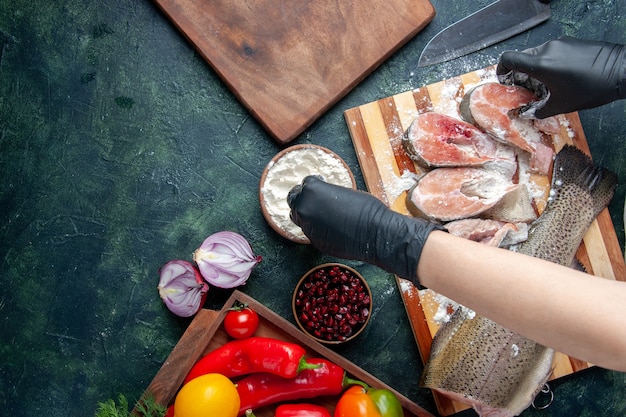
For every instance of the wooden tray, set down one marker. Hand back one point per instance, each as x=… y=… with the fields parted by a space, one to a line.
x=206 y=333
x=288 y=62
x=376 y=129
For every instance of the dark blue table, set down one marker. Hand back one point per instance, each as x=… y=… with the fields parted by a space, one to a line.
x=120 y=149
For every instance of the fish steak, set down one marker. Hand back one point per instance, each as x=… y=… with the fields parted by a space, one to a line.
x=453 y=193
x=494 y=108
x=438 y=140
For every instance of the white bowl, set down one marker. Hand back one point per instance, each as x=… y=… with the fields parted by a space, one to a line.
x=286 y=170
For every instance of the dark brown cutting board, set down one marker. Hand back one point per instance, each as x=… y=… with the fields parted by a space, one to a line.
x=289 y=61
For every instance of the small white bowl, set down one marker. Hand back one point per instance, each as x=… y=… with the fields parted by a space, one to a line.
x=287 y=169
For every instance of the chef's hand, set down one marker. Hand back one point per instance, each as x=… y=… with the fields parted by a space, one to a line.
x=578 y=74
x=353 y=224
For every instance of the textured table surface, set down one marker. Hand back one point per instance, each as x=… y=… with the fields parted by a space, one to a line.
x=120 y=149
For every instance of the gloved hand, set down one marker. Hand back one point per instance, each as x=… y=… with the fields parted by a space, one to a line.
x=578 y=74
x=356 y=225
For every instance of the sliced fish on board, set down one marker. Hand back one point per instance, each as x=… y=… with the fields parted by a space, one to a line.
x=490 y=232
x=493 y=107
x=454 y=193
x=478 y=362
x=438 y=140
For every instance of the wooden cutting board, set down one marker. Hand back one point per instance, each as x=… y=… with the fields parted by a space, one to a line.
x=376 y=129
x=290 y=61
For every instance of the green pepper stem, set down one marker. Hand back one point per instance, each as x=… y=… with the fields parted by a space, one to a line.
x=249 y=413
x=303 y=364
x=349 y=382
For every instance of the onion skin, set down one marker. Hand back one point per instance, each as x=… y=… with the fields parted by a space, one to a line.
x=182 y=288
x=225 y=259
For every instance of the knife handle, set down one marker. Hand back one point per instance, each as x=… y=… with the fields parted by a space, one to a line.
x=545 y=1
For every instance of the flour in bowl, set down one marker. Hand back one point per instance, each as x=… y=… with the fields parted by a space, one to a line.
x=288 y=171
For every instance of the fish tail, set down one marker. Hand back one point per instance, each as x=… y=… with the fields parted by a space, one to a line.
x=572 y=166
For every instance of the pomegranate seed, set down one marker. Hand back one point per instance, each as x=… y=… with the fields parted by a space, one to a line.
x=332 y=303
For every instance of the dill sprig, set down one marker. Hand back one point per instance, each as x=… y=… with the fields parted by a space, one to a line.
x=146 y=407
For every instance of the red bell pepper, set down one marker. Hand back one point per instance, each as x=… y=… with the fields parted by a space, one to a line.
x=259 y=390
x=301 y=410
x=252 y=355
x=297 y=410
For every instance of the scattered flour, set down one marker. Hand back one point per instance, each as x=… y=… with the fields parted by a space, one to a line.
x=445 y=307
x=398 y=185
x=288 y=171
x=449 y=99
x=514 y=350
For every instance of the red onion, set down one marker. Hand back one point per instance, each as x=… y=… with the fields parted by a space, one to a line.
x=225 y=259
x=182 y=288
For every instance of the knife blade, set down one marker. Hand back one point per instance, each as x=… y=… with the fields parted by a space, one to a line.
x=492 y=24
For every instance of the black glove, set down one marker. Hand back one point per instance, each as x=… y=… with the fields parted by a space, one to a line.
x=578 y=74
x=353 y=224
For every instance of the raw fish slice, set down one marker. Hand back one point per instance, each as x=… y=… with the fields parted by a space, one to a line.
x=550 y=125
x=447 y=194
x=538 y=88
x=437 y=140
x=489 y=106
x=489 y=232
x=494 y=108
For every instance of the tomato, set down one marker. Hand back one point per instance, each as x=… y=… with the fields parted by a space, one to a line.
x=241 y=322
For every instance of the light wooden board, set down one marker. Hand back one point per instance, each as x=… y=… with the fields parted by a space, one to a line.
x=288 y=62
x=206 y=333
x=376 y=129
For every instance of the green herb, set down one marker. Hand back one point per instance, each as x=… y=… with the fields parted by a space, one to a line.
x=147 y=407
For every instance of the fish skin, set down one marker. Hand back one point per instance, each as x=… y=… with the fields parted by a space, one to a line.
x=579 y=191
x=473 y=358
x=514 y=207
x=495 y=370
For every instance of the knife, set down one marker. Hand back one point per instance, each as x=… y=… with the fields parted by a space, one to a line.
x=489 y=25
